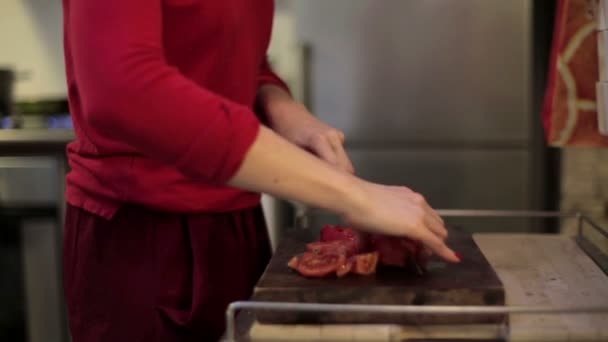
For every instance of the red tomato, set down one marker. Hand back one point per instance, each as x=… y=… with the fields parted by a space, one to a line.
x=364 y=264
x=358 y=242
x=319 y=265
x=392 y=251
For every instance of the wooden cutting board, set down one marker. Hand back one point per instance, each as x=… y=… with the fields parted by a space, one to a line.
x=472 y=282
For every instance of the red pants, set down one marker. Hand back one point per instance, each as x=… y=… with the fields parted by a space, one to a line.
x=150 y=276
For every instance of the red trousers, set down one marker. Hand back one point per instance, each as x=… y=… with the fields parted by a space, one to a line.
x=150 y=276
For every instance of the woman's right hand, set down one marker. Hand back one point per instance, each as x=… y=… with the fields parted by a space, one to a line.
x=399 y=211
x=277 y=167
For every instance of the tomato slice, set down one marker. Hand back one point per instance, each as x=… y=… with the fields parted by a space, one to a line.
x=358 y=241
x=345 y=268
x=365 y=264
x=333 y=247
x=319 y=265
x=293 y=262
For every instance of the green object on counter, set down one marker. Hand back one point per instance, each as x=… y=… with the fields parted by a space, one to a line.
x=42 y=107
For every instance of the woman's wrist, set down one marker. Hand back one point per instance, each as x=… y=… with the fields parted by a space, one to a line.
x=351 y=196
x=275 y=103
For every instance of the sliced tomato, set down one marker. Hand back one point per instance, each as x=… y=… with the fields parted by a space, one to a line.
x=358 y=241
x=345 y=268
x=332 y=247
x=364 y=264
x=293 y=262
x=319 y=265
x=392 y=252
x=333 y=233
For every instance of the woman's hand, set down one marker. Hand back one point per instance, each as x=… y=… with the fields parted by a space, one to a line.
x=303 y=129
x=399 y=211
x=277 y=167
x=295 y=123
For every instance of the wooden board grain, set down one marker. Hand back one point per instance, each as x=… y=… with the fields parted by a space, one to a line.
x=472 y=282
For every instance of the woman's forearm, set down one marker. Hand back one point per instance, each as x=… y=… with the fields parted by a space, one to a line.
x=277 y=167
x=275 y=103
x=292 y=121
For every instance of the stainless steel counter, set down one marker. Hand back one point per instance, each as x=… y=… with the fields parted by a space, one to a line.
x=34 y=141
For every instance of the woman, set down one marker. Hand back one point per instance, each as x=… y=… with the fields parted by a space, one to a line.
x=163 y=226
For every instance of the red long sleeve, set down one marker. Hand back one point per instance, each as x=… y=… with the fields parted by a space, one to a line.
x=130 y=93
x=171 y=85
x=268 y=76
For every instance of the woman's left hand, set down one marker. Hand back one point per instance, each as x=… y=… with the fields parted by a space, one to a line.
x=303 y=129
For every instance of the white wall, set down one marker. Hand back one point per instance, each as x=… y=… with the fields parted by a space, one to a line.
x=31 y=41
x=285 y=55
x=285 y=51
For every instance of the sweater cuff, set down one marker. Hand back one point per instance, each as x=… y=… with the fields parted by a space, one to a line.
x=222 y=160
x=272 y=78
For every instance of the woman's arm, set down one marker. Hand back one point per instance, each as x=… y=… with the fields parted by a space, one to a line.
x=273 y=165
x=130 y=94
x=391 y=210
x=295 y=123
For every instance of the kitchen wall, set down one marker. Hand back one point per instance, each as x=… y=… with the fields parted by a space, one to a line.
x=585 y=188
x=31 y=42
x=286 y=56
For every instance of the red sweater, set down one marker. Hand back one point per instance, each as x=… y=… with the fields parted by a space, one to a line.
x=162 y=95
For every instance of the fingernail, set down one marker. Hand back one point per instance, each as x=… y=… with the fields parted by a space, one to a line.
x=458 y=255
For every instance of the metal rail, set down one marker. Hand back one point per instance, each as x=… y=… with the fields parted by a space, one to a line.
x=398 y=309
x=505 y=213
x=582 y=221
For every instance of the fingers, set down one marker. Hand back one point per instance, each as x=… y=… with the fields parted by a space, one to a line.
x=430 y=210
x=439 y=247
x=341 y=137
x=436 y=215
x=329 y=147
x=426 y=252
x=336 y=141
x=432 y=229
x=323 y=149
x=436 y=227
x=431 y=219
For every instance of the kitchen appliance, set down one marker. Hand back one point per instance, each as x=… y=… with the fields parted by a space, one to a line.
x=7 y=79
x=30 y=264
x=439 y=95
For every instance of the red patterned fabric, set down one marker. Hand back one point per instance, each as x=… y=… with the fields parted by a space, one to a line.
x=569 y=115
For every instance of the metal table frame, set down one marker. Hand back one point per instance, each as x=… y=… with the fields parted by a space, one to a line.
x=583 y=221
